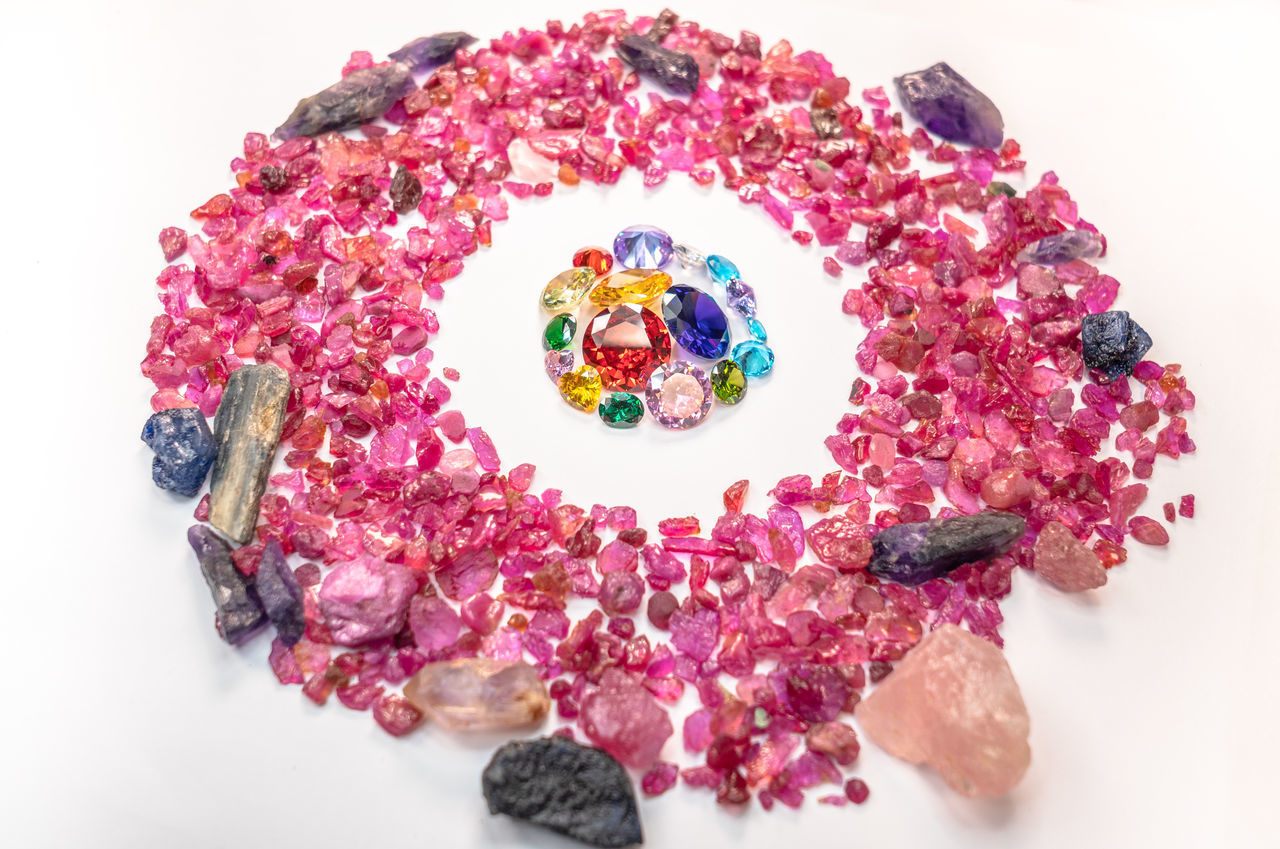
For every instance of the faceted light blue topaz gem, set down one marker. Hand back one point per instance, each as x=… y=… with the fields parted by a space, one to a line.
x=643 y=246
x=754 y=357
x=742 y=298
x=722 y=271
x=757 y=330
x=696 y=321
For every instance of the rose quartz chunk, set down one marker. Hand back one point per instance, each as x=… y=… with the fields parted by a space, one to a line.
x=952 y=704
x=622 y=718
x=477 y=692
x=1065 y=562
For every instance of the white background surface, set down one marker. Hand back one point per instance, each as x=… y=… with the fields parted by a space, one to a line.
x=125 y=722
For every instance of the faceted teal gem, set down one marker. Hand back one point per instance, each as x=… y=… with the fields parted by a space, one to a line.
x=755 y=357
x=757 y=330
x=722 y=270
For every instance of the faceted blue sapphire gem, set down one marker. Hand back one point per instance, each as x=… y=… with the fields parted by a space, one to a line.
x=722 y=271
x=184 y=449
x=754 y=357
x=696 y=321
x=1113 y=343
x=643 y=246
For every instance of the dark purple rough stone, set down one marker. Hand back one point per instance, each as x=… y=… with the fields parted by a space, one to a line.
x=677 y=71
x=915 y=552
x=949 y=106
x=360 y=97
x=281 y=594
x=1062 y=248
x=184 y=446
x=432 y=51
x=240 y=614
x=1113 y=343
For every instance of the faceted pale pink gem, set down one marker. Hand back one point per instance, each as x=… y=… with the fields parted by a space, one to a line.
x=952 y=703
x=1065 y=562
x=477 y=692
x=681 y=396
x=622 y=718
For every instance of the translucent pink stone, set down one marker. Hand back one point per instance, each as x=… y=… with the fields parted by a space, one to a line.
x=478 y=692
x=365 y=599
x=433 y=622
x=1065 y=562
x=952 y=703
x=622 y=718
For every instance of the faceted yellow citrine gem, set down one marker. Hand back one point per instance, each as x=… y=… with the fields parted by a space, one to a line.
x=581 y=388
x=631 y=286
x=567 y=289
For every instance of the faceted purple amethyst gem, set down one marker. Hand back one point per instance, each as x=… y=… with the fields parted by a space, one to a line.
x=949 y=106
x=742 y=298
x=696 y=321
x=643 y=246
x=1061 y=248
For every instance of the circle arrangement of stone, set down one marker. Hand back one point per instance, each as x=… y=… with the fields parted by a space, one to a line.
x=397 y=539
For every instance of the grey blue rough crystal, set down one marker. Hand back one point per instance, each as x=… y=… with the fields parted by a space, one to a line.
x=949 y=106
x=564 y=786
x=360 y=97
x=184 y=449
x=677 y=71
x=915 y=552
x=281 y=594
x=240 y=614
x=1113 y=343
x=247 y=429
x=1062 y=248
x=432 y=51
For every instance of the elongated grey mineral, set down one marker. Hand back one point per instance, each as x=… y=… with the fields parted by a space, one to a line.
x=357 y=99
x=240 y=614
x=247 y=430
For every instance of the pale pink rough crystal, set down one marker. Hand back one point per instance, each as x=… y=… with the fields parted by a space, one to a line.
x=365 y=599
x=1065 y=562
x=622 y=718
x=477 y=692
x=952 y=703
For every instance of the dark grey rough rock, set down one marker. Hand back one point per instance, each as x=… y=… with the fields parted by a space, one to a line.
x=677 y=71
x=358 y=98
x=432 y=51
x=915 y=552
x=184 y=449
x=240 y=614
x=564 y=786
x=247 y=429
x=281 y=594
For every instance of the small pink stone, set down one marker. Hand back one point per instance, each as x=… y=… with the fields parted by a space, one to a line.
x=857 y=791
x=835 y=739
x=173 y=241
x=483 y=446
x=1005 y=488
x=452 y=425
x=433 y=623
x=1064 y=561
x=685 y=526
x=831 y=267
x=1148 y=531
x=661 y=778
x=617 y=556
x=622 y=718
x=396 y=714
x=1187 y=506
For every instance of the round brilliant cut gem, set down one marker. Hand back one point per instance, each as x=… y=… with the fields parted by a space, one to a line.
x=755 y=358
x=621 y=410
x=630 y=286
x=722 y=270
x=696 y=321
x=625 y=342
x=567 y=289
x=679 y=395
x=596 y=258
x=643 y=246
x=728 y=382
x=559 y=333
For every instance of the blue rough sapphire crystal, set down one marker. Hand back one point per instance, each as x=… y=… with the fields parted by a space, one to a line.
x=184 y=448
x=1113 y=343
x=696 y=321
x=643 y=246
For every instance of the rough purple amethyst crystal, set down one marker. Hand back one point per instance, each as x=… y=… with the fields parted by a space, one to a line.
x=1113 y=343
x=432 y=51
x=358 y=98
x=915 y=552
x=281 y=594
x=677 y=71
x=949 y=106
x=240 y=614
x=1062 y=248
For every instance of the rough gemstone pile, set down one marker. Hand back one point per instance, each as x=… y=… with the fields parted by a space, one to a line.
x=413 y=542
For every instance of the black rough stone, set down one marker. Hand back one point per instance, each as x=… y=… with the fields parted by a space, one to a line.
x=677 y=71
x=564 y=786
x=240 y=614
x=1113 y=343
x=915 y=552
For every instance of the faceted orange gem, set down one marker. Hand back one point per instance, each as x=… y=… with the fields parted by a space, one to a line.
x=596 y=258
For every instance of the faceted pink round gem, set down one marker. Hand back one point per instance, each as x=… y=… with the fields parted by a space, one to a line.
x=624 y=343
x=679 y=395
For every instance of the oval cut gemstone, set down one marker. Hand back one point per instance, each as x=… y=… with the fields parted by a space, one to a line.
x=596 y=258
x=581 y=388
x=690 y=258
x=621 y=410
x=755 y=358
x=630 y=286
x=678 y=395
x=696 y=321
x=728 y=382
x=559 y=332
x=643 y=246
x=722 y=270
x=624 y=343
x=757 y=330
x=567 y=289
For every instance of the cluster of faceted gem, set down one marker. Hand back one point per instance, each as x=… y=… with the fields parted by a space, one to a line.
x=412 y=542
x=634 y=317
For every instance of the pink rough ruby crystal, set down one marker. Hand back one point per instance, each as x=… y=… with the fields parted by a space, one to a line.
x=1065 y=562
x=365 y=599
x=622 y=718
x=477 y=692
x=952 y=703
x=396 y=714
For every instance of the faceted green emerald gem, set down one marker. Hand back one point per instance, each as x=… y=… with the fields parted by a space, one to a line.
x=995 y=187
x=621 y=409
x=728 y=382
x=559 y=332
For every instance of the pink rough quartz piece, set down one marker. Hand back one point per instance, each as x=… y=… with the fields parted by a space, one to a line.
x=1065 y=562
x=952 y=703
x=478 y=693
x=365 y=599
x=622 y=718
